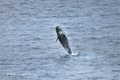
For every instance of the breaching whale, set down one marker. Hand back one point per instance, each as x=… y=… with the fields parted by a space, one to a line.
x=63 y=39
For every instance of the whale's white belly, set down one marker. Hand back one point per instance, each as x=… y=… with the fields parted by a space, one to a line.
x=60 y=32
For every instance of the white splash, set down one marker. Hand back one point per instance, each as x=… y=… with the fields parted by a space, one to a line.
x=75 y=54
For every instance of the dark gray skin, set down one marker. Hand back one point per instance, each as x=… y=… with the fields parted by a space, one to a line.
x=63 y=39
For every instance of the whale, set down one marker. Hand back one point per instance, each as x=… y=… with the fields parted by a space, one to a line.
x=63 y=39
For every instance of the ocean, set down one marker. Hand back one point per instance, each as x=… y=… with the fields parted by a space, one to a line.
x=28 y=47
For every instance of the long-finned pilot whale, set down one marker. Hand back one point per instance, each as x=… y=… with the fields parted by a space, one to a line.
x=63 y=39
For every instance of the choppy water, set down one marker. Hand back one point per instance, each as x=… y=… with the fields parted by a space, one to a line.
x=28 y=50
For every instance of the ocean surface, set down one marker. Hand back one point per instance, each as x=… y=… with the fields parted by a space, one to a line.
x=28 y=47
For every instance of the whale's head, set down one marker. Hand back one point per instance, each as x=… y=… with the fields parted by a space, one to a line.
x=58 y=29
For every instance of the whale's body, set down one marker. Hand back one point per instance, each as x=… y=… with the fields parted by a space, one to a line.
x=63 y=39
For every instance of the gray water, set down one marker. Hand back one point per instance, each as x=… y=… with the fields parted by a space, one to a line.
x=28 y=50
